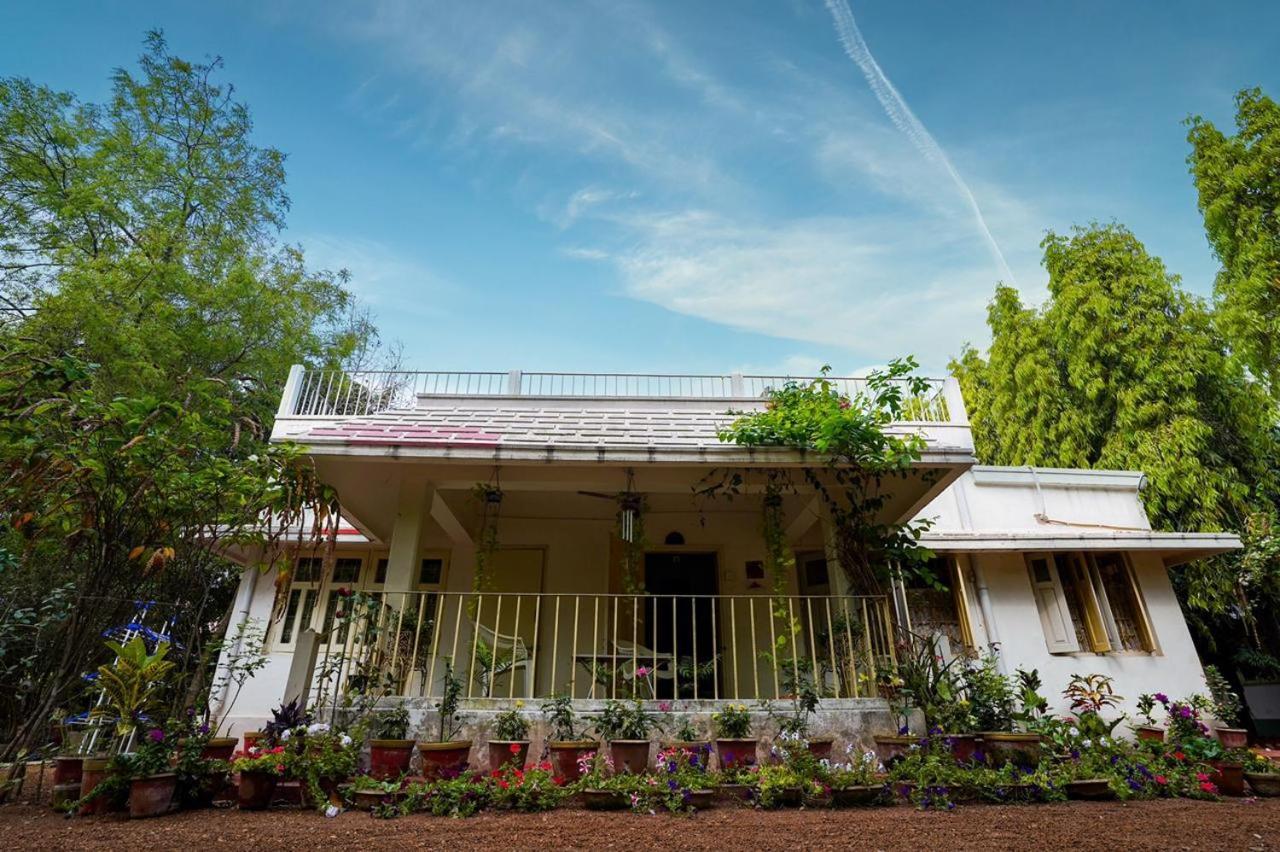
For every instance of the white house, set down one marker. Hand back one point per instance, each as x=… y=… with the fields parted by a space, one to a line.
x=1057 y=568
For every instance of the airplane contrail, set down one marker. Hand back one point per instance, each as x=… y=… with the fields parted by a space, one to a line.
x=903 y=118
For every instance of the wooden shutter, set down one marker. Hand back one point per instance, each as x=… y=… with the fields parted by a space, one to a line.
x=1059 y=632
x=1095 y=627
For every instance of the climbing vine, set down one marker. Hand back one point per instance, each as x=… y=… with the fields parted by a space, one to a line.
x=490 y=499
x=858 y=454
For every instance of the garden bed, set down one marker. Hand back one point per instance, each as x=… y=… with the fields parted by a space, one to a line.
x=1160 y=824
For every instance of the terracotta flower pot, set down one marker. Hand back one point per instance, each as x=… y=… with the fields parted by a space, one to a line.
x=858 y=795
x=736 y=754
x=503 y=752
x=93 y=771
x=1090 y=789
x=963 y=746
x=695 y=746
x=66 y=769
x=604 y=800
x=1233 y=737
x=630 y=756
x=389 y=759
x=1001 y=747
x=892 y=748
x=252 y=738
x=565 y=755
x=151 y=796
x=256 y=790
x=444 y=760
x=820 y=747
x=1150 y=733
x=1228 y=776
x=1263 y=783
x=219 y=748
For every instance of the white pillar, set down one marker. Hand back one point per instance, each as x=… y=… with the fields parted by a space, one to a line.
x=405 y=555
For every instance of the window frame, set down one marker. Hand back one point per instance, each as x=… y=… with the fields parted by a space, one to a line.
x=1101 y=634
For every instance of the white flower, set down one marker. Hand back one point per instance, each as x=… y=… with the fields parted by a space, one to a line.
x=318 y=728
x=1073 y=731
x=346 y=740
x=284 y=736
x=1087 y=743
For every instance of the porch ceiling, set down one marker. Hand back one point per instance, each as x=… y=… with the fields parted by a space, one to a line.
x=369 y=488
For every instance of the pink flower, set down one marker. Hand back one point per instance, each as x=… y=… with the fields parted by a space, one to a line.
x=642 y=671
x=664 y=706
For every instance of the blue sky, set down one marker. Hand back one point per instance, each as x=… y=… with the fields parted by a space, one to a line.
x=700 y=187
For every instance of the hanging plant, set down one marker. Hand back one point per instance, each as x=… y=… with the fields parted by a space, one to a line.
x=629 y=528
x=780 y=564
x=490 y=498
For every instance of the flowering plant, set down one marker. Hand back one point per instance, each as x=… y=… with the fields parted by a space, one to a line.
x=732 y=723
x=529 y=790
x=464 y=796
x=559 y=714
x=329 y=755
x=272 y=761
x=624 y=721
x=859 y=769
x=678 y=774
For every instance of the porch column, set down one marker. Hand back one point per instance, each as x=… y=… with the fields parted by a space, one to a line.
x=835 y=572
x=404 y=555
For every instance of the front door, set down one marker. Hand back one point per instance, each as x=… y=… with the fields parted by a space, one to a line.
x=682 y=589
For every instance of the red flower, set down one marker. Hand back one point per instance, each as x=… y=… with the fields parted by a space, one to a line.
x=1161 y=780
x=280 y=767
x=503 y=784
x=497 y=773
x=1177 y=755
x=1200 y=776
x=514 y=748
x=1209 y=787
x=344 y=592
x=545 y=766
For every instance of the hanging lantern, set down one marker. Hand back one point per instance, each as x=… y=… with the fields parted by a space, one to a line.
x=630 y=510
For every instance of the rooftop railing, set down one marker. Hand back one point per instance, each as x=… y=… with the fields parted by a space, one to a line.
x=344 y=393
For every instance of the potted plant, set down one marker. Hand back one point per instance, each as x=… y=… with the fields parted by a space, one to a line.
x=688 y=737
x=1263 y=776
x=1149 y=730
x=389 y=751
x=603 y=789
x=1226 y=709
x=1190 y=735
x=446 y=757
x=685 y=782
x=329 y=759
x=152 y=781
x=260 y=769
x=1001 y=703
x=564 y=745
x=511 y=745
x=859 y=780
x=803 y=704
x=367 y=793
x=734 y=746
x=626 y=727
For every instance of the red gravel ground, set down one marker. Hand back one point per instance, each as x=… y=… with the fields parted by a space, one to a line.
x=1168 y=824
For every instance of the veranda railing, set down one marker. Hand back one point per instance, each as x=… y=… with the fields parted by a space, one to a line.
x=535 y=645
x=347 y=393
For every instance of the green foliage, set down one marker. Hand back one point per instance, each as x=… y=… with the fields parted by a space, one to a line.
x=624 y=720
x=511 y=725
x=1121 y=369
x=134 y=681
x=992 y=697
x=1226 y=703
x=858 y=452
x=390 y=724
x=732 y=723
x=448 y=722
x=560 y=716
x=1238 y=182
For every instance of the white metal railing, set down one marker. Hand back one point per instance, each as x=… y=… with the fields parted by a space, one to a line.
x=536 y=645
x=332 y=393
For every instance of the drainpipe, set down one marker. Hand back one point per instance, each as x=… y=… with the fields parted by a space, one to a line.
x=251 y=586
x=984 y=603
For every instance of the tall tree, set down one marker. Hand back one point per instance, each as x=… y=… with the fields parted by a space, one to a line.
x=1238 y=180
x=1122 y=369
x=151 y=314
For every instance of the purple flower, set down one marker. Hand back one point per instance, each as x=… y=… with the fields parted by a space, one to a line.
x=155 y=735
x=203 y=729
x=902 y=732
x=672 y=784
x=1162 y=698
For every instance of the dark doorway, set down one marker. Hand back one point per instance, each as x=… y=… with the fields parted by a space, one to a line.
x=682 y=589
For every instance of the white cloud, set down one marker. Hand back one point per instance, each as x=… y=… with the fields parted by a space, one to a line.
x=381 y=276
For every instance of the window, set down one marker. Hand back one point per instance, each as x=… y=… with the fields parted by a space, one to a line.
x=1089 y=602
x=942 y=612
x=304 y=594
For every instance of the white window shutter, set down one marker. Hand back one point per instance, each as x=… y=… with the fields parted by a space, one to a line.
x=1059 y=632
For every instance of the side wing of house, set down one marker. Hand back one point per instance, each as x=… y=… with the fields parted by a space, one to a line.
x=1061 y=570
